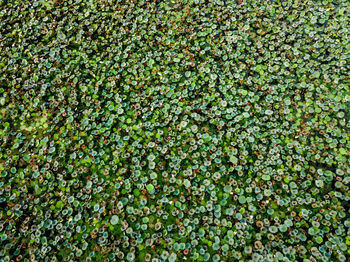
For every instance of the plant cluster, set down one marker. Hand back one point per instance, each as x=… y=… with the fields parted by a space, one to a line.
x=190 y=130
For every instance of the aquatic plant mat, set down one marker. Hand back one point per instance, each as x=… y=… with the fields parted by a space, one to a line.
x=184 y=130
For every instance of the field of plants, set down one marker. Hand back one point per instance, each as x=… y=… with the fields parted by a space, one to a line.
x=174 y=130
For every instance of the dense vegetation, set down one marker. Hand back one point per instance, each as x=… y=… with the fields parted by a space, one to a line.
x=174 y=130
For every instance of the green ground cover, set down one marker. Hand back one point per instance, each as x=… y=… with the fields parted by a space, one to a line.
x=185 y=130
